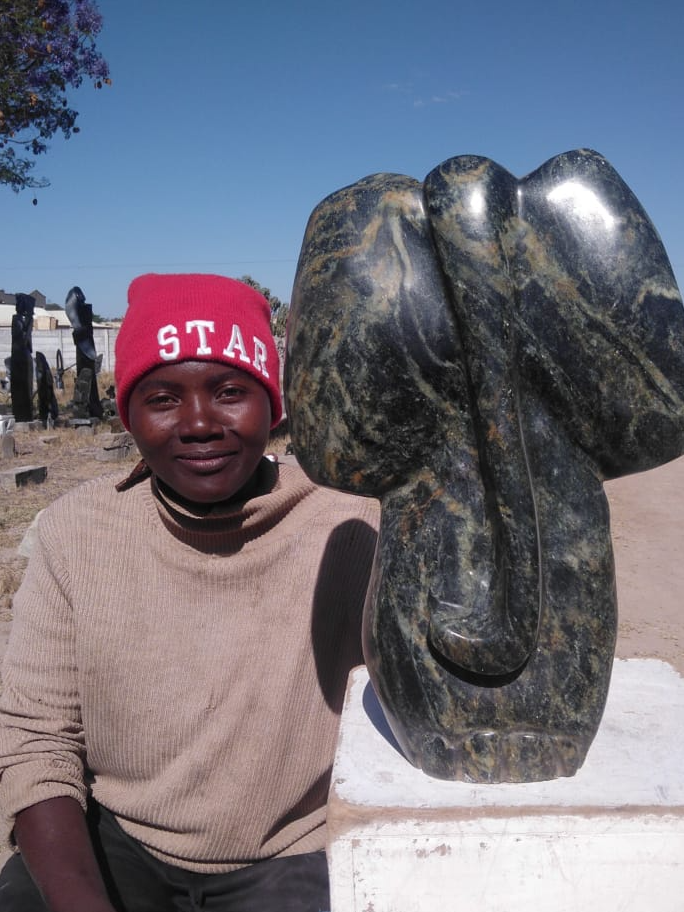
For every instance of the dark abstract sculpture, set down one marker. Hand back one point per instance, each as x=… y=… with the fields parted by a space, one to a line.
x=81 y=318
x=47 y=401
x=21 y=359
x=481 y=353
x=59 y=370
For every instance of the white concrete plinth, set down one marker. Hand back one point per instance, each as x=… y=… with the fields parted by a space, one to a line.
x=609 y=839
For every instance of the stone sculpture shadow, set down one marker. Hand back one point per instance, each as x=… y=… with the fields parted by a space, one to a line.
x=481 y=352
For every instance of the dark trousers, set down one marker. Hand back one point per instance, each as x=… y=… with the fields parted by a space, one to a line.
x=138 y=882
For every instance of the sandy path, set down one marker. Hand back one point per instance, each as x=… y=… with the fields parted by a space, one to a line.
x=647 y=519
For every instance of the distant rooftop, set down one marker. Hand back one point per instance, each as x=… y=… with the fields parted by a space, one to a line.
x=44 y=317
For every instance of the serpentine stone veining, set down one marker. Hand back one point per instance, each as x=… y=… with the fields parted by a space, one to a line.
x=480 y=352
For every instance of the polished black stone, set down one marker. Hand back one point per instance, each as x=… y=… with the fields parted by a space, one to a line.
x=481 y=352
x=48 y=409
x=81 y=318
x=21 y=358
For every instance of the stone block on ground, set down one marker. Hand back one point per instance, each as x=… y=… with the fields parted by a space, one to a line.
x=9 y=450
x=116 y=446
x=22 y=475
x=28 y=541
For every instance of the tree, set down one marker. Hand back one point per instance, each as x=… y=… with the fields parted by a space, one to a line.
x=46 y=47
x=279 y=310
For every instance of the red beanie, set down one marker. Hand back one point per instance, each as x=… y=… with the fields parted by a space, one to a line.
x=173 y=318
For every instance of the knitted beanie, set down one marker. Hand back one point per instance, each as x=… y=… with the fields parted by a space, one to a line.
x=172 y=318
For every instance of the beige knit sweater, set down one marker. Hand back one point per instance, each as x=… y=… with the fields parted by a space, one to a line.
x=190 y=669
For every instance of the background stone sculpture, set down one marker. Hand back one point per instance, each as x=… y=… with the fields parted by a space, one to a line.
x=59 y=370
x=21 y=359
x=81 y=318
x=481 y=353
x=48 y=410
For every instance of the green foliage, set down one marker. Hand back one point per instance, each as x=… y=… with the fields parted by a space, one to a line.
x=46 y=47
x=279 y=309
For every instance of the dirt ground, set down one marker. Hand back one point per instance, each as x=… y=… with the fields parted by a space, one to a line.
x=647 y=519
x=647 y=516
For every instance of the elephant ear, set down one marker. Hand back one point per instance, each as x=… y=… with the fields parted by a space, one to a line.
x=592 y=299
x=602 y=315
x=601 y=312
x=373 y=373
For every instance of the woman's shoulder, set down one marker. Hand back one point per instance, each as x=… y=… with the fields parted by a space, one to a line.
x=327 y=502
x=96 y=497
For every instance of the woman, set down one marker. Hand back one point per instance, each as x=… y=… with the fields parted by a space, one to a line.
x=181 y=641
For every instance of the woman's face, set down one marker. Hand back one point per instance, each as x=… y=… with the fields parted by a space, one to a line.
x=201 y=426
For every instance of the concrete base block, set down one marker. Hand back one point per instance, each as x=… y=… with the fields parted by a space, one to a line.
x=116 y=447
x=9 y=447
x=30 y=536
x=22 y=475
x=609 y=838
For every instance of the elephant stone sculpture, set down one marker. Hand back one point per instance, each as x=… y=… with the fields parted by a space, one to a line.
x=481 y=352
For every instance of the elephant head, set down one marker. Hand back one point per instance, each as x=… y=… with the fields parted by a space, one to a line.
x=480 y=352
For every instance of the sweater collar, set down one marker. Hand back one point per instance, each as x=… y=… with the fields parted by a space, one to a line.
x=221 y=528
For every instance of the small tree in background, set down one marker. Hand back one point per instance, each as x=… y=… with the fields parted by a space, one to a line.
x=46 y=46
x=279 y=310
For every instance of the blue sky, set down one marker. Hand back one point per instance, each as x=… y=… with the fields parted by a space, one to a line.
x=229 y=120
